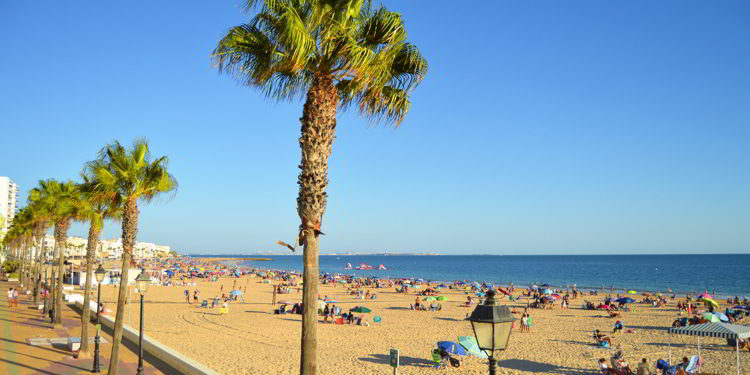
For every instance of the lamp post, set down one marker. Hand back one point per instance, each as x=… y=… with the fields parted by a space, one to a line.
x=492 y=327
x=142 y=281
x=99 y=274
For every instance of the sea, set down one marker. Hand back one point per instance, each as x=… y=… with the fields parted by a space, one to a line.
x=720 y=274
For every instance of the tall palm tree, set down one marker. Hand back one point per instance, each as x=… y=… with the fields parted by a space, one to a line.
x=121 y=177
x=61 y=201
x=95 y=212
x=336 y=53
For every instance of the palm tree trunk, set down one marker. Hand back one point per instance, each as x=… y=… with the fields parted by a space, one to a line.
x=61 y=237
x=86 y=314
x=129 y=229
x=37 y=269
x=20 y=264
x=318 y=132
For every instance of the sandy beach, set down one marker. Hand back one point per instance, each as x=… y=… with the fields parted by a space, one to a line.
x=250 y=339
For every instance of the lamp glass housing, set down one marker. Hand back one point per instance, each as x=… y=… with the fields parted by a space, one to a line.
x=100 y=273
x=142 y=281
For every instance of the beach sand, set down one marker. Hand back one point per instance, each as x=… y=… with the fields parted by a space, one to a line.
x=251 y=340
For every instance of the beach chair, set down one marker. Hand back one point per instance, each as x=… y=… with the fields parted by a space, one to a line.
x=438 y=359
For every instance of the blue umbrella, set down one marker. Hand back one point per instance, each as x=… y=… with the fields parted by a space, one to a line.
x=625 y=300
x=547 y=291
x=236 y=293
x=471 y=346
x=452 y=347
x=480 y=294
x=746 y=308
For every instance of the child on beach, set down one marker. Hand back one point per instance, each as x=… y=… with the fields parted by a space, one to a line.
x=15 y=297
x=642 y=367
x=10 y=297
x=524 y=322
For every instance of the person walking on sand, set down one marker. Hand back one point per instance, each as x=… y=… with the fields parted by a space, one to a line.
x=15 y=297
x=187 y=295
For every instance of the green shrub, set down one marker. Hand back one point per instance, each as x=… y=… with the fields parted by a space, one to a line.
x=10 y=266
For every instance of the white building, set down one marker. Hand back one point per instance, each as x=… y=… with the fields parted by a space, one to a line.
x=9 y=194
x=76 y=248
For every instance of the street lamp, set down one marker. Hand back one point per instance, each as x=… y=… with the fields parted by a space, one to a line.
x=492 y=326
x=142 y=281
x=99 y=274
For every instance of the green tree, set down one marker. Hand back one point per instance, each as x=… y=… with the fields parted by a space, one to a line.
x=336 y=53
x=95 y=212
x=61 y=200
x=121 y=177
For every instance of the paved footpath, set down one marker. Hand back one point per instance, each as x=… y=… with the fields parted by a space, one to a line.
x=21 y=326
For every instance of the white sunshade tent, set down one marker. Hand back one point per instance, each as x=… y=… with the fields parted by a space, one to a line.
x=713 y=329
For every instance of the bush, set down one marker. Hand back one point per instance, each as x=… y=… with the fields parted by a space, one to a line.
x=10 y=266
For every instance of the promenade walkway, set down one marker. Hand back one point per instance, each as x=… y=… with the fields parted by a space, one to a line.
x=22 y=326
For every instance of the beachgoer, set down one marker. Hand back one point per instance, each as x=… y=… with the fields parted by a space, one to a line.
x=187 y=295
x=642 y=367
x=524 y=322
x=326 y=313
x=15 y=297
x=10 y=297
x=599 y=337
x=604 y=368
x=618 y=327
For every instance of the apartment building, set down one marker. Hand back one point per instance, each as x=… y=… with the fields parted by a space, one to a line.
x=9 y=202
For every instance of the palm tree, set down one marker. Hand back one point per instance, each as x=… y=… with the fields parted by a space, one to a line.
x=336 y=53
x=61 y=200
x=95 y=212
x=122 y=177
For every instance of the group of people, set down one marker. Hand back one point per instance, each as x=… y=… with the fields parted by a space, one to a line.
x=419 y=306
x=526 y=322
x=196 y=295
x=13 y=297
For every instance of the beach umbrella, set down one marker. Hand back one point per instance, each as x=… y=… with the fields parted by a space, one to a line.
x=705 y=296
x=236 y=293
x=470 y=344
x=632 y=292
x=547 y=291
x=709 y=300
x=480 y=294
x=452 y=347
x=722 y=317
x=429 y=299
x=441 y=298
x=361 y=310
x=625 y=300
x=534 y=286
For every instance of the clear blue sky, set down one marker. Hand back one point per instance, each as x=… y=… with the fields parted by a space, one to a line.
x=542 y=127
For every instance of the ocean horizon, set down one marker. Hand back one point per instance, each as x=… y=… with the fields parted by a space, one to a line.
x=720 y=274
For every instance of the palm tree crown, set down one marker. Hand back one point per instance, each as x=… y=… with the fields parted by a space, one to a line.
x=290 y=43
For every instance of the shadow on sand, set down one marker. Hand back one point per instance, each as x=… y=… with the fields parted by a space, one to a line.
x=542 y=368
x=403 y=360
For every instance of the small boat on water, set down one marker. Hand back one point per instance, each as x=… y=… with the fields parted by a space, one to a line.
x=364 y=266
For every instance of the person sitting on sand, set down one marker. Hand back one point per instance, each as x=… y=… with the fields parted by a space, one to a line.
x=604 y=368
x=618 y=327
x=643 y=368
x=600 y=337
